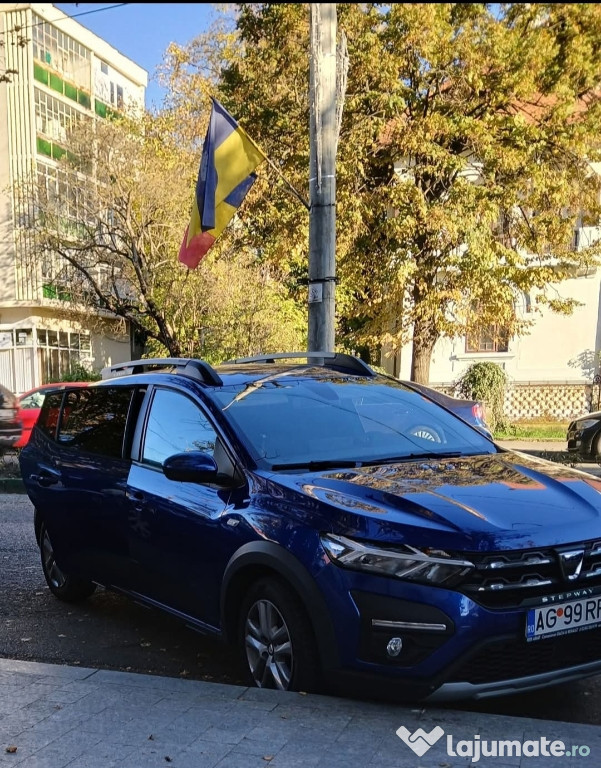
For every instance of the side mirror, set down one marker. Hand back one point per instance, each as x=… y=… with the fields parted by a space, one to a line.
x=191 y=467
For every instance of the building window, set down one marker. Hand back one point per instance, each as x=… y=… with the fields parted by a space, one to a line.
x=494 y=338
x=104 y=68
x=60 y=52
x=59 y=351
x=66 y=191
x=54 y=119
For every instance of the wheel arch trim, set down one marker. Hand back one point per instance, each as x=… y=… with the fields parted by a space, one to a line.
x=273 y=557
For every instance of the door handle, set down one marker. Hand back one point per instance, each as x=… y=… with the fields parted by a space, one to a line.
x=46 y=478
x=136 y=496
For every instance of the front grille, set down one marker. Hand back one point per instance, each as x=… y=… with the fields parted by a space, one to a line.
x=507 y=579
x=508 y=659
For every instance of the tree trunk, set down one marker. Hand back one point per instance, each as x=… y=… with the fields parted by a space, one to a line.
x=424 y=339
x=174 y=347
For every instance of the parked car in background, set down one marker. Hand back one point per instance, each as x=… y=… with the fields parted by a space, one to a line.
x=30 y=403
x=472 y=411
x=10 y=426
x=584 y=437
x=339 y=527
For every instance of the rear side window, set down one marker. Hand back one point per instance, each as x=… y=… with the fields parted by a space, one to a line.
x=94 y=420
x=48 y=418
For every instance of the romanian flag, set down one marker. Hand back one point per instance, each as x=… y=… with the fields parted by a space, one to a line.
x=229 y=158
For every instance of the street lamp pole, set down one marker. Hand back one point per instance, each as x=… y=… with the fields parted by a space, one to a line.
x=322 y=177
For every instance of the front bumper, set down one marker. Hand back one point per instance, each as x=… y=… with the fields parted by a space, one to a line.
x=459 y=691
x=452 y=647
x=581 y=442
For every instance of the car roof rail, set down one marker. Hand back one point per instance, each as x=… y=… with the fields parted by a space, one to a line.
x=187 y=366
x=349 y=363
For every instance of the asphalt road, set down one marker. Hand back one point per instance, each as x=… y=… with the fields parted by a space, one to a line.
x=106 y=631
x=111 y=632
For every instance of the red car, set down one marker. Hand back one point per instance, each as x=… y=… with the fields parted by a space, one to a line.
x=30 y=403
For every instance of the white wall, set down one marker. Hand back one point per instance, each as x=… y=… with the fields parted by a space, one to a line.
x=133 y=94
x=558 y=348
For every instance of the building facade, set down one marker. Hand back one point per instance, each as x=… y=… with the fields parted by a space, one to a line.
x=553 y=370
x=55 y=71
x=550 y=370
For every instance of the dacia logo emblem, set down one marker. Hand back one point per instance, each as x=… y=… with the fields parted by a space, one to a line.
x=571 y=563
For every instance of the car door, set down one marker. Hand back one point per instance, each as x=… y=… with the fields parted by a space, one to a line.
x=83 y=479
x=177 y=542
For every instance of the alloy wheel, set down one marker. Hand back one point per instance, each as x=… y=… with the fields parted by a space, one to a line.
x=268 y=646
x=54 y=573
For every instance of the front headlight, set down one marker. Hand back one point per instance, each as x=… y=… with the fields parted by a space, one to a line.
x=585 y=424
x=427 y=566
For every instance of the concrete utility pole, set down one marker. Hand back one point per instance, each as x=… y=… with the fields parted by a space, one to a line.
x=322 y=176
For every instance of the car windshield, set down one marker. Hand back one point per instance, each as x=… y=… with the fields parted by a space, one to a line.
x=286 y=422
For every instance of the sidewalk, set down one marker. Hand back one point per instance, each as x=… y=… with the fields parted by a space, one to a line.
x=57 y=716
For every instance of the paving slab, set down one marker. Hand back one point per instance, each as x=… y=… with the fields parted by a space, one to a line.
x=71 y=717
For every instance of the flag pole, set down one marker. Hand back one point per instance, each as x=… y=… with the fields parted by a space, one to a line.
x=287 y=183
x=294 y=191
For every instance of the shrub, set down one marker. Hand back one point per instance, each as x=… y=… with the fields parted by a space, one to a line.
x=486 y=381
x=78 y=372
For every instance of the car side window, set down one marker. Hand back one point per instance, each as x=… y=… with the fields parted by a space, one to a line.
x=175 y=425
x=94 y=419
x=48 y=418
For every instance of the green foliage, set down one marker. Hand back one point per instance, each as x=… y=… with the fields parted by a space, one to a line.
x=78 y=372
x=525 y=431
x=122 y=256
x=491 y=115
x=486 y=381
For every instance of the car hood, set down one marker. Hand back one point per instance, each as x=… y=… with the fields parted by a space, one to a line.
x=595 y=415
x=497 y=501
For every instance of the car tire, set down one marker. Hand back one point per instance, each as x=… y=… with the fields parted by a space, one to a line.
x=70 y=589
x=276 y=639
x=425 y=433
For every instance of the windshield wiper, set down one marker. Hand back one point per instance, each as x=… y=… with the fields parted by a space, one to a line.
x=325 y=464
x=411 y=456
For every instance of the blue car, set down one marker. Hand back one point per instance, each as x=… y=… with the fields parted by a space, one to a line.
x=342 y=529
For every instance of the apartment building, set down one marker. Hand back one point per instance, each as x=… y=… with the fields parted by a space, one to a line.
x=53 y=70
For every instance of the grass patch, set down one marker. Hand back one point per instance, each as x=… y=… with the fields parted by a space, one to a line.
x=533 y=431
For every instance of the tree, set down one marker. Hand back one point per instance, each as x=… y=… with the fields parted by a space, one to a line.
x=107 y=229
x=466 y=157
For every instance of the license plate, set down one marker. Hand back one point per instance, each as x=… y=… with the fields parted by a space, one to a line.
x=563 y=618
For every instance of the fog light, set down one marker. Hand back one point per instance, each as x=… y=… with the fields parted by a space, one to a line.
x=394 y=647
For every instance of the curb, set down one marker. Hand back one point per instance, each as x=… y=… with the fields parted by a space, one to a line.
x=11 y=485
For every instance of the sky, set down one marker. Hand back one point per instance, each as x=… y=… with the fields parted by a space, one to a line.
x=142 y=31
